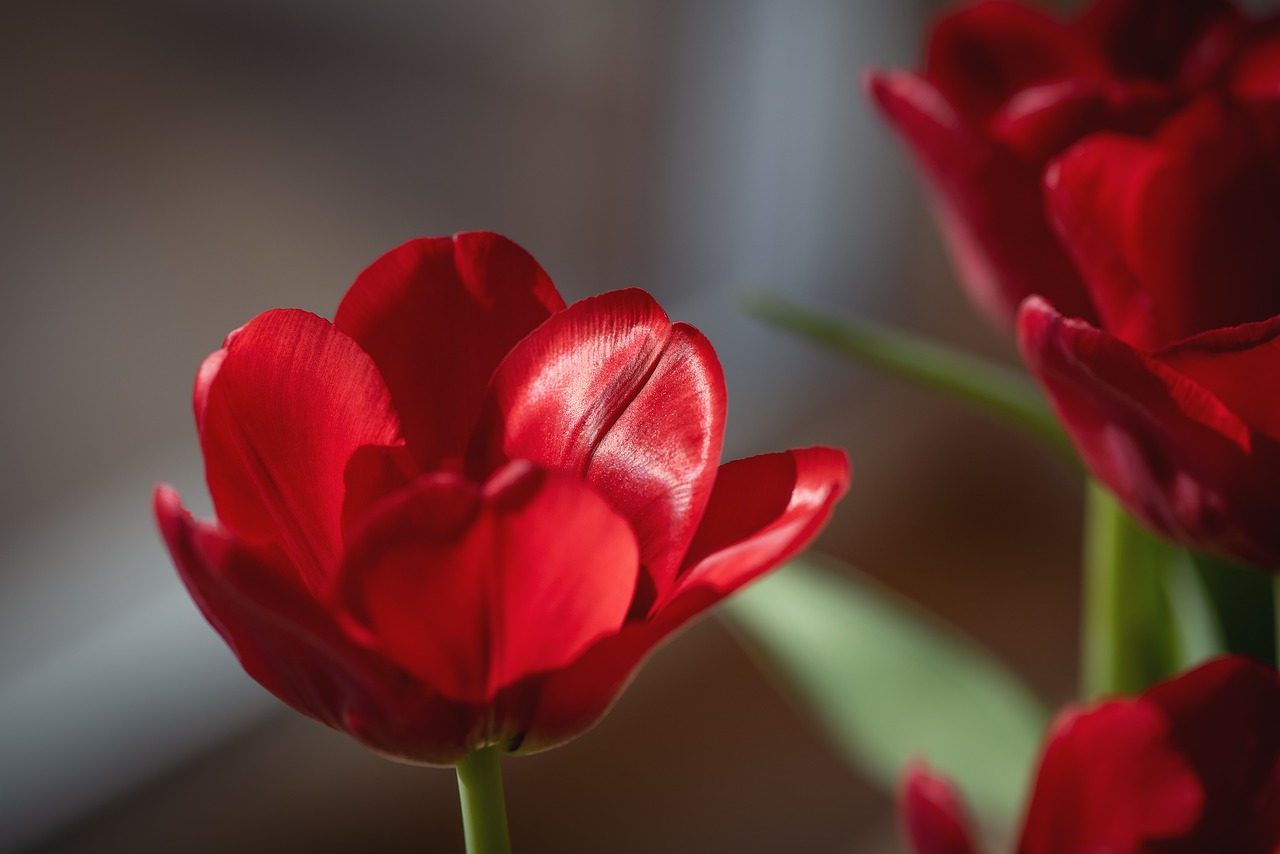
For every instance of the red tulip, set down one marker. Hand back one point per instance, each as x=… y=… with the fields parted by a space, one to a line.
x=1176 y=238
x=461 y=514
x=1006 y=89
x=1191 y=766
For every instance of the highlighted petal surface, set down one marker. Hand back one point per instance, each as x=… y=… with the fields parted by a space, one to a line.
x=612 y=392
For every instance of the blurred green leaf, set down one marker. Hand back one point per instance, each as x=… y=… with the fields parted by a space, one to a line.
x=989 y=387
x=888 y=683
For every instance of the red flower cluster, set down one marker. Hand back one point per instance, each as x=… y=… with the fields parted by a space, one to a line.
x=462 y=513
x=1192 y=766
x=1123 y=171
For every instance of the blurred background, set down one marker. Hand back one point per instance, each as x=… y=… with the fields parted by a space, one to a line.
x=170 y=169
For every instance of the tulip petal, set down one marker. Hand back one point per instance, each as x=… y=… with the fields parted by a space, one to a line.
x=764 y=509
x=280 y=413
x=1039 y=122
x=988 y=198
x=1229 y=362
x=932 y=818
x=1110 y=781
x=1150 y=222
x=614 y=393
x=281 y=636
x=1154 y=38
x=1255 y=73
x=292 y=647
x=437 y=315
x=474 y=590
x=1170 y=450
x=982 y=54
x=1224 y=718
x=374 y=473
x=1091 y=193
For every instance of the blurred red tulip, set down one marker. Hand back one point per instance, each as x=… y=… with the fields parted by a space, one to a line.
x=1007 y=88
x=461 y=514
x=1191 y=766
x=1176 y=239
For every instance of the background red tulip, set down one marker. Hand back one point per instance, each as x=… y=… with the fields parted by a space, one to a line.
x=1007 y=88
x=461 y=514
x=1175 y=239
x=1193 y=765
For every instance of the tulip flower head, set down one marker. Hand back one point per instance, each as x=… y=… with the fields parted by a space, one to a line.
x=1110 y=187
x=1006 y=88
x=462 y=513
x=1192 y=766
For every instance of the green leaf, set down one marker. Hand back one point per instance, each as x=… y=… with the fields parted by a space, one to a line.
x=992 y=388
x=889 y=684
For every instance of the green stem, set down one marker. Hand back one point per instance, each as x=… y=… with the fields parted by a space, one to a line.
x=484 y=812
x=980 y=383
x=1128 y=635
x=1243 y=600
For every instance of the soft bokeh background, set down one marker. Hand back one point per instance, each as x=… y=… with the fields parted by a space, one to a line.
x=170 y=169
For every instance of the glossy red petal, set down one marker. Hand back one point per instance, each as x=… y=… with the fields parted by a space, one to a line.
x=437 y=315
x=1150 y=222
x=290 y=401
x=1155 y=38
x=1110 y=781
x=988 y=198
x=764 y=510
x=473 y=591
x=933 y=820
x=1225 y=721
x=1172 y=452
x=982 y=54
x=611 y=392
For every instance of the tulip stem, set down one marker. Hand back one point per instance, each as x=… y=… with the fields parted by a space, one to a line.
x=1128 y=635
x=484 y=812
x=990 y=387
x=1241 y=598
